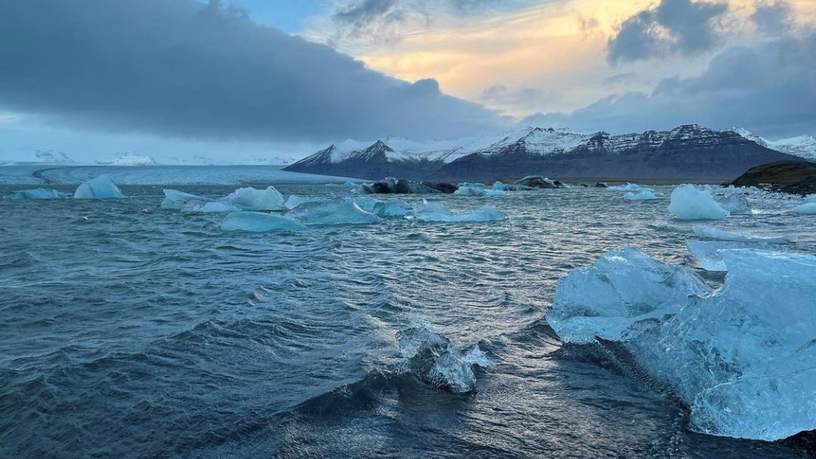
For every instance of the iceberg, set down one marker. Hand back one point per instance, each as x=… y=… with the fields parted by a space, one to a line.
x=98 y=188
x=295 y=200
x=433 y=359
x=741 y=357
x=436 y=212
x=255 y=199
x=735 y=204
x=626 y=187
x=37 y=194
x=710 y=232
x=644 y=194
x=808 y=208
x=333 y=212
x=177 y=200
x=623 y=288
x=259 y=222
x=689 y=202
x=395 y=208
x=706 y=254
x=478 y=189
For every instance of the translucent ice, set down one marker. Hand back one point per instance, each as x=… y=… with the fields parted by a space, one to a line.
x=295 y=200
x=98 y=188
x=333 y=212
x=436 y=212
x=808 y=208
x=434 y=359
x=689 y=202
x=710 y=232
x=644 y=194
x=259 y=222
x=478 y=189
x=735 y=204
x=741 y=358
x=255 y=199
x=627 y=187
x=37 y=193
x=177 y=200
x=622 y=288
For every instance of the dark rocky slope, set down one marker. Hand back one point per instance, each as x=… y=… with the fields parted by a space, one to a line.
x=797 y=177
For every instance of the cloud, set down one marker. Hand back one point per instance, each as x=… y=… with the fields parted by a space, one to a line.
x=180 y=68
x=674 y=26
x=367 y=18
x=769 y=88
x=773 y=18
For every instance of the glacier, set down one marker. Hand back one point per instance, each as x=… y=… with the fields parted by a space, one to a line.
x=689 y=202
x=259 y=222
x=436 y=212
x=100 y=187
x=740 y=357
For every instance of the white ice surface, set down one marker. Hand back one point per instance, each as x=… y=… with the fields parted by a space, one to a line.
x=690 y=202
x=98 y=188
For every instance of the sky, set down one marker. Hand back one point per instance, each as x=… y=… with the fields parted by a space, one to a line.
x=268 y=81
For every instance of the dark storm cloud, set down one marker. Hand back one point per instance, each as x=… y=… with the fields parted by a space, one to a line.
x=770 y=89
x=673 y=26
x=772 y=18
x=180 y=68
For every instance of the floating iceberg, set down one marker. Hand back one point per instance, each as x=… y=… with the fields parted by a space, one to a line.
x=627 y=187
x=706 y=254
x=259 y=222
x=478 y=189
x=98 y=188
x=624 y=287
x=37 y=194
x=333 y=212
x=177 y=200
x=296 y=200
x=436 y=212
x=644 y=194
x=254 y=199
x=808 y=208
x=735 y=204
x=433 y=359
x=710 y=232
x=741 y=358
x=689 y=202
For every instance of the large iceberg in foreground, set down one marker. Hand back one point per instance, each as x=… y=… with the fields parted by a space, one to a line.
x=37 y=194
x=689 y=202
x=436 y=212
x=255 y=199
x=259 y=222
x=741 y=358
x=98 y=188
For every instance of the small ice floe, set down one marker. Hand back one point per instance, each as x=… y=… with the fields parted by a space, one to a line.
x=478 y=189
x=741 y=357
x=629 y=187
x=259 y=222
x=394 y=208
x=710 y=232
x=177 y=200
x=808 y=208
x=333 y=212
x=98 y=188
x=38 y=194
x=295 y=200
x=436 y=212
x=735 y=204
x=255 y=199
x=689 y=202
x=643 y=194
x=433 y=359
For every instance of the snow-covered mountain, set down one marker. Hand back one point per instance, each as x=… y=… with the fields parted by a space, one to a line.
x=689 y=151
x=803 y=146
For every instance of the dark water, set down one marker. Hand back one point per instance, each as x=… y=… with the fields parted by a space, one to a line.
x=132 y=331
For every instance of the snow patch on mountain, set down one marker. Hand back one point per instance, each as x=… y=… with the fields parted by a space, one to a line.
x=803 y=146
